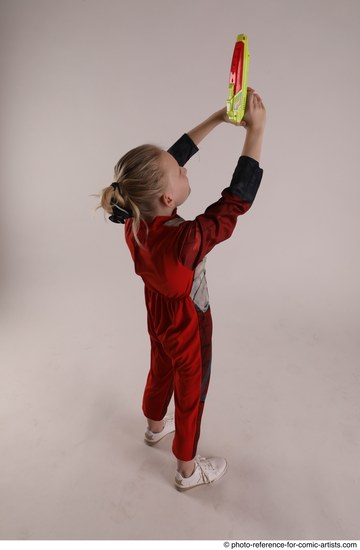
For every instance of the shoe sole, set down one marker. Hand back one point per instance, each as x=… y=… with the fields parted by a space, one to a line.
x=182 y=489
x=152 y=443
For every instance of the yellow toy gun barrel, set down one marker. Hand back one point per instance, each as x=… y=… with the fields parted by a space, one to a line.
x=236 y=102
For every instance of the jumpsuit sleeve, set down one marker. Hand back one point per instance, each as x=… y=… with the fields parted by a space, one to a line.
x=197 y=237
x=183 y=149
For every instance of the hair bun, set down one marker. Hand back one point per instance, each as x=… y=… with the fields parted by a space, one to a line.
x=120 y=214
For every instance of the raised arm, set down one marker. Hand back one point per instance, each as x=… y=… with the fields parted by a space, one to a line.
x=198 y=133
x=186 y=146
x=195 y=238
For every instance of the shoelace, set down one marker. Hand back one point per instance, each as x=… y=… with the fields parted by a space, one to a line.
x=203 y=467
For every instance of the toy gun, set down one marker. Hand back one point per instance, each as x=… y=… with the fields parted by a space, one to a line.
x=236 y=102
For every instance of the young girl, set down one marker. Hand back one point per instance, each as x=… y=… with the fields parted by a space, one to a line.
x=169 y=254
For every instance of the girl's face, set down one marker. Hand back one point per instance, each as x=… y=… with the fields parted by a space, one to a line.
x=178 y=188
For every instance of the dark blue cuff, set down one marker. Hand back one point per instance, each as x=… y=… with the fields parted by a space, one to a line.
x=183 y=149
x=246 y=179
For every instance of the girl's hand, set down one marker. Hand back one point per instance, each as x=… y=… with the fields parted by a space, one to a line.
x=254 y=111
x=225 y=118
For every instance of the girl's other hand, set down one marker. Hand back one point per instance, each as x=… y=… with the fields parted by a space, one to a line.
x=255 y=112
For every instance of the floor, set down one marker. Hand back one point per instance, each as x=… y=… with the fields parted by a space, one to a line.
x=283 y=408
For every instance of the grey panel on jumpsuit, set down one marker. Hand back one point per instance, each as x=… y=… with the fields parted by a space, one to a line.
x=199 y=290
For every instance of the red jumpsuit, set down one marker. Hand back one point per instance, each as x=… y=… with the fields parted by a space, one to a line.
x=179 y=321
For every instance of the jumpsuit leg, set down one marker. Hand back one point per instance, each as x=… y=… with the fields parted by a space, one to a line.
x=160 y=383
x=180 y=363
x=191 y=387
x=206 y=328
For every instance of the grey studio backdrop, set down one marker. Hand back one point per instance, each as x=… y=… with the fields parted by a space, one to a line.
x=82 y=82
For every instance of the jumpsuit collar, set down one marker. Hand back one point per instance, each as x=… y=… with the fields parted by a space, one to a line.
x=157 y=220
x=160 y=219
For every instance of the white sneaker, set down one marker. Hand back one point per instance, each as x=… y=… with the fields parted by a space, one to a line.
x=152 y=438
x=206 y=470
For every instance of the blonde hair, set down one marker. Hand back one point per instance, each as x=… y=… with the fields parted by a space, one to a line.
x=141 y=180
